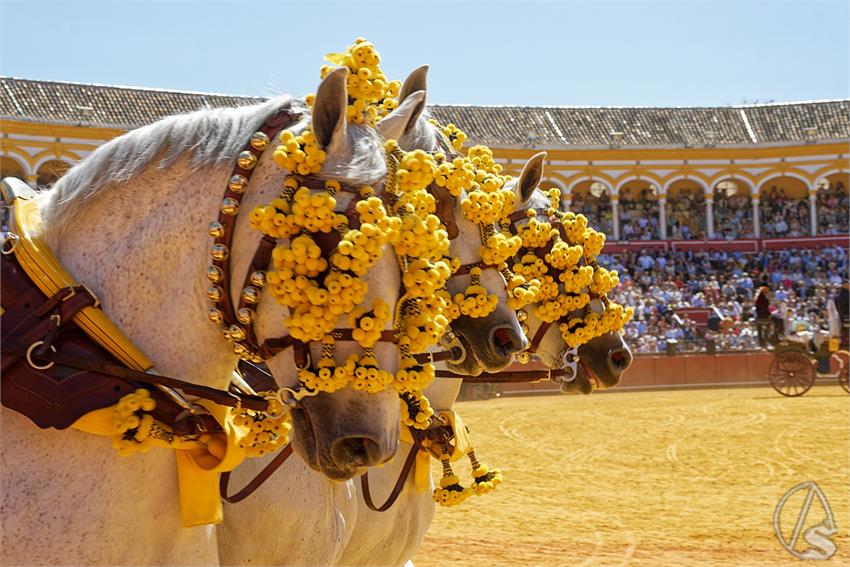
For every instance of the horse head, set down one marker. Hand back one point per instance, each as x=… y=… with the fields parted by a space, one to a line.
x=599 y=362
x=487 y=339
x=341 y=432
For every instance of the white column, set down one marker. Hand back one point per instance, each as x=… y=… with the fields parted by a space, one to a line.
x=813 y=211
x=756 y=220
x=709 y=216
x=662 y=217
x=615 y=215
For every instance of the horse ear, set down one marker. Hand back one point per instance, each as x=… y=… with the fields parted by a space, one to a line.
x=329 y=109
x=403 y=119
x=417 y=80
x=530 y=177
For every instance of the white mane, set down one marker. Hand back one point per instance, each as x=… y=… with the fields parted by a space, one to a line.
x=208 y=138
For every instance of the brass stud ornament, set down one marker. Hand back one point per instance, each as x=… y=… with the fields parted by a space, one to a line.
x=523 y=358
x=246 y=160
x=230 y=206
x=258 y=278
x=259 y=141
x=237 y=184
x=245 y=315
x=215 y=293
x=250 y=295
x=215 y=229
x=216 y=316
x=219 y=252
x=522 y=315
x=214 y=274
x=236 y=333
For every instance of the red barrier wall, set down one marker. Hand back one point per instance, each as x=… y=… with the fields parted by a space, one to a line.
x=683 y=370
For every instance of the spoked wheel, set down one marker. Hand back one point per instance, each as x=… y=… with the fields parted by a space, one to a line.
x=844 y=372
x=791 y=373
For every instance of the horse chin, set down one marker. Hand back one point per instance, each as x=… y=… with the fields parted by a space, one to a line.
x=585 y=382
x=316 y=455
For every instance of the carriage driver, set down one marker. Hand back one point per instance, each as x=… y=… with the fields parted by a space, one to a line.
x=838 y=310
x=769 y=327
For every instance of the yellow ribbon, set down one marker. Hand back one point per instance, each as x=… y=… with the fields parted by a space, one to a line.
x=200 y=461
x=457 y=449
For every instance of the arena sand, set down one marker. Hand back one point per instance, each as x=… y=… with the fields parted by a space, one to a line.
x=650 y=478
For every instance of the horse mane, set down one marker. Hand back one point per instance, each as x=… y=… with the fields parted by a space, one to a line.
x=208 y=137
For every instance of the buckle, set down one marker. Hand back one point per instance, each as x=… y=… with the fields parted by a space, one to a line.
x=31 y=348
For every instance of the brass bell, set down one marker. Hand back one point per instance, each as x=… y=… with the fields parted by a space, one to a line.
x=522 y=315
x=245 y=315
x=216 y=316
x=259 y=141
x=215 y=293
x=219 y=252
x=214 y=274
x=229 y=206
x=236 y=333
x=258 y=278
x=246 y=160
x=237 y=184
x=216 y=229
x=523 y=358
x=250 y=295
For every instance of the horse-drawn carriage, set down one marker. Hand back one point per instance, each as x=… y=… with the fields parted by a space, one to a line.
x=795 y=366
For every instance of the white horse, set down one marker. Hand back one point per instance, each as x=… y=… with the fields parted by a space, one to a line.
x=392 y=537
x=131 y=222
x=313 y=517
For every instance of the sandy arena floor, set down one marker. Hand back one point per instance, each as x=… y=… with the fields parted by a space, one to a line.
x=651 y=478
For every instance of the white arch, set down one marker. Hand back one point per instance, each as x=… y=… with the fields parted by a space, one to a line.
x=556 y=182
x=736 y=179
x=52 y=157
x=697 y=180
x=826 y=174
x=21 y=159
x=636 y=178
x=805 y=181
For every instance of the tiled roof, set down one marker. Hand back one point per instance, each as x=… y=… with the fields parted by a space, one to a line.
x=101 y=105
x=499 y=126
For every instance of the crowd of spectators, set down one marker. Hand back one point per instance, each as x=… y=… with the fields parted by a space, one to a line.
x=833 y=209
x=658 y=283
x=782 y=215
x=638 y=215
x=686 y=215
x=596 y=209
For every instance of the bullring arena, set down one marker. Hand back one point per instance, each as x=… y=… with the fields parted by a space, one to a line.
x=685 y=461
x=646 y=478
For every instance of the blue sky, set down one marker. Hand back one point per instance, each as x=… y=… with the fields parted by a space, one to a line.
x=524 y=53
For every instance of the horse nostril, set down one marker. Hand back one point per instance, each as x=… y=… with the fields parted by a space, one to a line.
x=620 y=359
x=357 y=451
x=507 y=341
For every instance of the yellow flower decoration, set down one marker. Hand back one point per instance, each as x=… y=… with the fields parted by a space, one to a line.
x=132 y=426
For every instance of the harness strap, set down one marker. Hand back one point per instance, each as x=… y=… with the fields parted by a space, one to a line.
x=538 y=336
x=505 y=377
x=220 y=397
x=257 y=481
x=399 y=484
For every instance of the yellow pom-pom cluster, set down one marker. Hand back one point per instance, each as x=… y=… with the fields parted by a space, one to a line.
x=451 y=493
x=360 y=248
x=521 y=292
x=300 y=153
x=593 y=243
x=576 y=279
x=530 y=266
x=456 y=175
x=550 y=311
x=302 y=258
x=581 y=330
x=487 y=208
x=422 y=238
x=499 y=248
x=413 y=377
x=575 y=226
x=131 y=426
x=485 y=480
x=604 y=280
x=563 y=256
x=455 y=135
x=416 y=171
x=367 y=325
x=368 y=377
x=370 y=95
x=535 y=234
x=266 y=431
x=416 y=410
x=328 y=377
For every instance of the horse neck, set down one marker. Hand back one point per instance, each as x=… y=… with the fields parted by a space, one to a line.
x=143 y=247
x=443 y=392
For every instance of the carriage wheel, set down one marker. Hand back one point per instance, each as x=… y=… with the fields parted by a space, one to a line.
x=791 y=373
